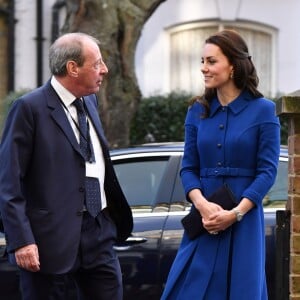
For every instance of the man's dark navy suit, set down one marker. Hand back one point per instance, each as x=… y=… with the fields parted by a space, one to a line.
x=42 y=180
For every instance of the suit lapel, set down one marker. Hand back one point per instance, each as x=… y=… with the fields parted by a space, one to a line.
x=94 y=117
x=59 y=116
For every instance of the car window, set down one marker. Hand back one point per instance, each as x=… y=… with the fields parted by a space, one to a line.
x=179 y=202
x=276 y=197
x=278 y=194
x=140 y=180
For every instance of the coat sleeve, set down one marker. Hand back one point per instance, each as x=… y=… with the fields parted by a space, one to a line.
x=191 y=163
x=15 y=153
x=267 y=154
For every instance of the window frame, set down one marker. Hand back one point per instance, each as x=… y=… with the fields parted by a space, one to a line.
x=220 y=25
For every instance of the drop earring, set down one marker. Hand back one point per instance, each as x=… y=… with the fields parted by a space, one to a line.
x=231 y=74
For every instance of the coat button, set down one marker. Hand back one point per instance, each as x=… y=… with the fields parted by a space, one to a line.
x=221 y=126
x=81 y=189
x=219 y=164
x=219 y=145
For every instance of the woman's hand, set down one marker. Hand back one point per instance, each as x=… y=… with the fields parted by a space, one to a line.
x=214 y=217
x=219 y=221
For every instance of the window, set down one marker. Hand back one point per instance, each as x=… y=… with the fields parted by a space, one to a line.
x=278 y=194
x=276 y=197
x=186 y=42
x=140 y=180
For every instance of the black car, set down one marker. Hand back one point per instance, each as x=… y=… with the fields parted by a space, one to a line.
x=149 y=176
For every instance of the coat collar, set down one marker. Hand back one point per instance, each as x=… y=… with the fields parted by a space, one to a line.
x=236 y=106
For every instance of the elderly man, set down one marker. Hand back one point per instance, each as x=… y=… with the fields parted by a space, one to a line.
x=61 y=203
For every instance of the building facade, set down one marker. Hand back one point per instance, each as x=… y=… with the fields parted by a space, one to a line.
x=168 y=54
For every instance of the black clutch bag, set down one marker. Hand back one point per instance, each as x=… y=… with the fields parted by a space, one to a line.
x=192 y=222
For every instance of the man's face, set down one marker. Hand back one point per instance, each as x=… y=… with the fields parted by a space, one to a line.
x=91 y=74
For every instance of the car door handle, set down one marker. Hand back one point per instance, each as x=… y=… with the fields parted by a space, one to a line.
x=131 y=241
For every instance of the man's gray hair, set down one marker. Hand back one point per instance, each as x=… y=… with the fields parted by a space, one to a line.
x=67 y=47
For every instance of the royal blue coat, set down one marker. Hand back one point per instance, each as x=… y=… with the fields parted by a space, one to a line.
x=239 y=145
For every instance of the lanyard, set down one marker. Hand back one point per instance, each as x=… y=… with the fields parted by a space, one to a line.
x=86 y=138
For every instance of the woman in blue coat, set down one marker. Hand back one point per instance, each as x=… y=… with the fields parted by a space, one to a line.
x=232 y=136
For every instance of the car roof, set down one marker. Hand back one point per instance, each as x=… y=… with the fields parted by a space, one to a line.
x=166 y=147
x=150 y=148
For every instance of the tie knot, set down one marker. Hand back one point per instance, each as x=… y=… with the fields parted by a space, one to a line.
x=79 y=104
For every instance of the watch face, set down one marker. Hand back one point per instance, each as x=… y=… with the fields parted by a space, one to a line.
x=239 y=216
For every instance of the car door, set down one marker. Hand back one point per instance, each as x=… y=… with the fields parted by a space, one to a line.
x=173 y=229
x=147 y=180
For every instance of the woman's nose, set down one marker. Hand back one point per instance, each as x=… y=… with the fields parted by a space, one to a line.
x=203 y=68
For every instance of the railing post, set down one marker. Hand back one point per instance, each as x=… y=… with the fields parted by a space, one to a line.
x=282 y=254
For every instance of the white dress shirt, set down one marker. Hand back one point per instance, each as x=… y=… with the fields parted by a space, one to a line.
x=95 y=169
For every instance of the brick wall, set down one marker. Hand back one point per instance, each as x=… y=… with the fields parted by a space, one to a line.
x=290 y=106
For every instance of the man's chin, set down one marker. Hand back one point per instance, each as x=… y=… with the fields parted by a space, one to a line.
x=95 y=90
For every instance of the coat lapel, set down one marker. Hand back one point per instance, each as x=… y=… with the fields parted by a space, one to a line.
x=59 y=116
x=94 y=117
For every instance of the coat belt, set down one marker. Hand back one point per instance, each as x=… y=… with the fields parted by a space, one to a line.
x=226 y=171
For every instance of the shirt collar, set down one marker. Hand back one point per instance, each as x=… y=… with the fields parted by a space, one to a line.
x=236 y=106
x=66 y=97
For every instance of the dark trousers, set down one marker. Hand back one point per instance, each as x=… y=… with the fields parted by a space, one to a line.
x=96 y=273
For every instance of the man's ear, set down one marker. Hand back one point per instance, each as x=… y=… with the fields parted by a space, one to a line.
x=72 y=68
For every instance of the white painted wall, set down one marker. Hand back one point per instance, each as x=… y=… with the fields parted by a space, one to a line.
x=25 y=51
x=152 y=60
x=25 y=42
x=152 y=55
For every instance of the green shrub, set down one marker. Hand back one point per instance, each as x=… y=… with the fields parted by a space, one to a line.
x=160 y=119
x=284 y=129
x=7 y=102
x=284 y=126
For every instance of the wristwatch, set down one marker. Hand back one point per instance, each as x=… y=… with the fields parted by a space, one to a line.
x=238 y=214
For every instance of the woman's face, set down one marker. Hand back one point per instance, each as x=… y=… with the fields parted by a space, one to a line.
x=215 y=67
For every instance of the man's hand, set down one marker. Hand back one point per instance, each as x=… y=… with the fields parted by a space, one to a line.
x=27 y=257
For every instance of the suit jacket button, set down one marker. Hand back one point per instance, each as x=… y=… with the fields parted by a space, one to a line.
x=79 y=213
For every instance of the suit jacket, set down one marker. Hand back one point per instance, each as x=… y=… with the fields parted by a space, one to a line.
x=42 y=176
